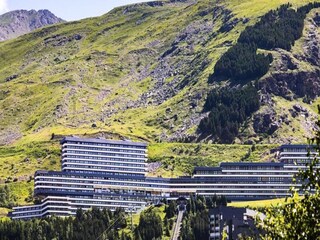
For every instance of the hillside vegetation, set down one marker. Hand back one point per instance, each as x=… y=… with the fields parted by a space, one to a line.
x=144 y=72
x=135 y=71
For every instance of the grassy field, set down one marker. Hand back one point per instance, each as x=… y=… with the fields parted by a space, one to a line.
x=136 y=218
x=111 y=76
x=3 y=213
x=98 y=82
x=178 y=159
x=257 y=204
x=260 y=203
x=21 y=161
x=18 y=163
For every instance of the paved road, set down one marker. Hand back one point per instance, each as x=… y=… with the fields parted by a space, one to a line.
x=177 y=226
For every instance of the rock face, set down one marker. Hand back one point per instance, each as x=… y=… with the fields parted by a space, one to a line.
x=295 y=75
x=293 y=85
x=143 y=70
x=17 y=23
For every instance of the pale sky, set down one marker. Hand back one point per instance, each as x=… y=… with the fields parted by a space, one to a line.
x=67 y=9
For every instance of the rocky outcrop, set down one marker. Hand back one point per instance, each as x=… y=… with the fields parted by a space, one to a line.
x=8 y=136
x=61 y=40
x=292 y=85
x=292 y=80
x=311 y=46
x=12 y=77
x=266 y=123
x=17 y=23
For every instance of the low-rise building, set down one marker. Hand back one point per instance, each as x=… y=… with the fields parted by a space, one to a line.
x=231 y=223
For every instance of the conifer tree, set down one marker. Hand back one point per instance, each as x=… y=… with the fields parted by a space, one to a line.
x=298 y=217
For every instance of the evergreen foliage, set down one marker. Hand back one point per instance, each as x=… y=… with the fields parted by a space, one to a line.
x=228 y=108
x=277 y=29
x=298 y=218
x=242 y=63
x=150 y=226
x=6 y=198
x=171 y=210
x=195 y=224
x=86 y=225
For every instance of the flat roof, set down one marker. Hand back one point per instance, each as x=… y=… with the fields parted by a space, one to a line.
x=207 y=169
x=101 y=140
x=298 y=146
x=154 y=180
x=251 y=164
x=228 y=212
x=85 y=174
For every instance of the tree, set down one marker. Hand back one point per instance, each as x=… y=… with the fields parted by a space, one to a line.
x=229 y=109
x=88 y=225
x=299 y=217
x=150 y=226
x=6 y=198
x=171 y=210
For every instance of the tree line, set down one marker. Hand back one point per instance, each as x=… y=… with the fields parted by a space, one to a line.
x=150 y=226
x=229 y=108
x=7 y=199
x=298 y=217
x=278 y=28
x=86 y=225
x=195 y=224
x=94 y=224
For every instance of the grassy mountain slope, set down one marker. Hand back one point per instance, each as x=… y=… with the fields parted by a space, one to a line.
x=140 y=72
x=135 y=71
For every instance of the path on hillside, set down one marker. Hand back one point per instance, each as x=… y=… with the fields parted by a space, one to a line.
x=177 y=226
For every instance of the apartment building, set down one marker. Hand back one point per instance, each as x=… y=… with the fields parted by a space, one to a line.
x=111 y=174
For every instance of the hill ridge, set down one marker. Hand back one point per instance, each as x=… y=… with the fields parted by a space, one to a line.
x=138 y=73
x=18 y=22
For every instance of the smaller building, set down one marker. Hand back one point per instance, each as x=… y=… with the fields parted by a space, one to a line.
x=232 y=223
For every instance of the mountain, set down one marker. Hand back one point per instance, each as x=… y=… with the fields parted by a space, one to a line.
x=146 y=70
x=166 y=72
x=19 y=22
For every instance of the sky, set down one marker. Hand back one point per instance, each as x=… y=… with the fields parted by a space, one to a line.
x=67 y=9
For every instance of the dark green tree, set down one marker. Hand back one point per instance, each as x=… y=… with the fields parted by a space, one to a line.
x=298 y=217
x=171 y=210
x=150 y=225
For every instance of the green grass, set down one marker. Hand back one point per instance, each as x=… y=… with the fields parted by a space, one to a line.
x=3 y=212
x=136 y=218
x=258 y=204
x=300 y=128
x=114 y=51
x=18 y=163
x=179 y=159
x=67 y=87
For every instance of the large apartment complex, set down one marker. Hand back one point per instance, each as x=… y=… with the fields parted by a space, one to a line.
x=111 y=174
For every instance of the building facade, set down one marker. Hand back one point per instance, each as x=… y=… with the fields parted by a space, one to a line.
x=112 y=174
x=232 y=223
